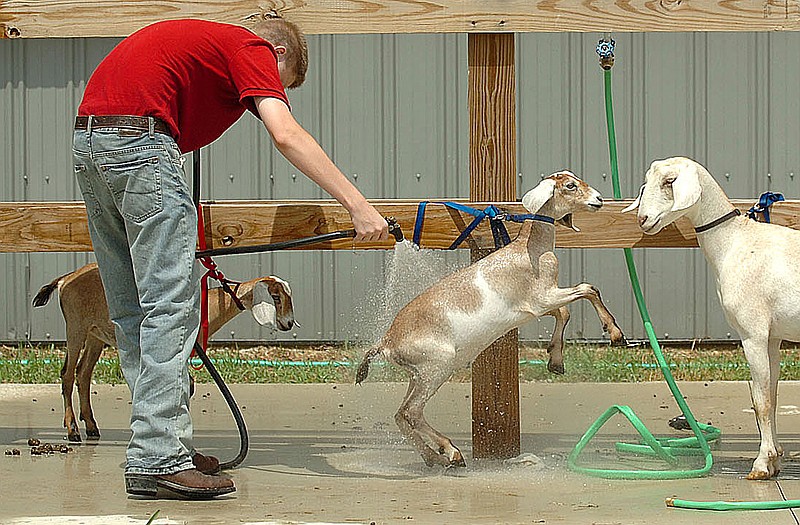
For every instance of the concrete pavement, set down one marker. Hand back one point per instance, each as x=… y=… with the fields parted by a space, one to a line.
x=332 y=454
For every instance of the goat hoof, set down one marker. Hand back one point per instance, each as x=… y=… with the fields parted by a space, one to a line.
x=74 y=437
x=458 y=462
x=679 y=423
x=557 y=369
x=619 y=341
x=756 y=475
x=93 y=434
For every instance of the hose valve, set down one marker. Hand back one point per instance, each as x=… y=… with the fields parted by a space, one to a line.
x=605 y=50
x=394 y=229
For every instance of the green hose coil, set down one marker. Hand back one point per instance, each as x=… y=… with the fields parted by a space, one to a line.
x=665 y=449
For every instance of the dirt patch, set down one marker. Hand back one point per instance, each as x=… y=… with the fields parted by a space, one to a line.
x=327 y=353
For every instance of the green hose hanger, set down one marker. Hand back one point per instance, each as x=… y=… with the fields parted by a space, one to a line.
x=665 y=449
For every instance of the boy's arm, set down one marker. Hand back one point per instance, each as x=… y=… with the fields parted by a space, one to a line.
x=300 y=148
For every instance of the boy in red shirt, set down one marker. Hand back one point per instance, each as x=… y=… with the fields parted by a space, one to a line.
x=170 y=88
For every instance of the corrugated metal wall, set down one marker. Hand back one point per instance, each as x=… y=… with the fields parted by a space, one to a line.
x=391 y=111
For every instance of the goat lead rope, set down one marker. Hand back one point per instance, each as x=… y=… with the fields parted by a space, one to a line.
x=200 y=350
x=211 y=271
x=201 y=240
x=492 y=212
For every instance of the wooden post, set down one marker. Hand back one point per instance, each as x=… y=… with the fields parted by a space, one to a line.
x=493 y=139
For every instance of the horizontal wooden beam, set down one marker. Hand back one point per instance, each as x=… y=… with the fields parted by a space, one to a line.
x=117 y=18
x=61 y=226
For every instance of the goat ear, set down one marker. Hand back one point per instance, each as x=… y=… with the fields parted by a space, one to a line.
x=635 y=204
x=566 y=220
x=535 y=198
x=686 y=189
x=263 y=310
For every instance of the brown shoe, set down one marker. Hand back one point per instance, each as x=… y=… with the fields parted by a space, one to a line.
x=186 y=484
x=205 y=464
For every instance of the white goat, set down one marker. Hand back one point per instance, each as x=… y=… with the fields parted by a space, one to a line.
x=757 y=281
x=89 y=329
x=448 y=325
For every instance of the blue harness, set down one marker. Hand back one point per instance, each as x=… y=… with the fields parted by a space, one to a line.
x=495 y=216
x=766 y=200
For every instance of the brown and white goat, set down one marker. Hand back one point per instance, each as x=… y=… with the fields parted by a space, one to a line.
x=89 y=329
x=448 y=325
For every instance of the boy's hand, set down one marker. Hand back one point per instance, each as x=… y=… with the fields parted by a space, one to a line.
x=369 y=224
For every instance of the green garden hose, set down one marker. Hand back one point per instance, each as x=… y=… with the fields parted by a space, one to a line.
x=665 y=449
x=732 y=505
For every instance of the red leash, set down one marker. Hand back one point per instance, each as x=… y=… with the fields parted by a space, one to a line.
x=211 y=271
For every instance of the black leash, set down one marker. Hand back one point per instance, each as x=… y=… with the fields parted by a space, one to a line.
x=244 y=439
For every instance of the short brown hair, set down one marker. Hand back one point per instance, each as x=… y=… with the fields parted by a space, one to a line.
x=279 y=32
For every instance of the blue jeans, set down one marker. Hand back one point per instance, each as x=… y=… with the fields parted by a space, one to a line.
x=143 y=226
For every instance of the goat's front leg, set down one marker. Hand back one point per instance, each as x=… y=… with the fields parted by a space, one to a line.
x=774 y=374
x=606 y=318
x=560 y=297
x=555 y=349
x=767 y=464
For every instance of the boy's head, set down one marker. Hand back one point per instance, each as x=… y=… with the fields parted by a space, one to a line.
x=290 y=44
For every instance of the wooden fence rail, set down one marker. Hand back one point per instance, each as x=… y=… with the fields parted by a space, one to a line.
x=61 y=226
x=116 y=18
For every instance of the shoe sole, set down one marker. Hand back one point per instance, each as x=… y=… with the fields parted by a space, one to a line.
x=152 y=487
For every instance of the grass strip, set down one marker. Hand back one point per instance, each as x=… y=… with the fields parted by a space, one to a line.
x=584 y=364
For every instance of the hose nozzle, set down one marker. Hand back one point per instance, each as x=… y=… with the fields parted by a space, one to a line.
x=394 y=229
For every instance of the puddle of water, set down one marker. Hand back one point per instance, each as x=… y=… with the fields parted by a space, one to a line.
x=90 y=520
x=394 y=460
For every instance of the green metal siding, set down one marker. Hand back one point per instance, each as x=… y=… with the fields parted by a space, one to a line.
x=391 y=110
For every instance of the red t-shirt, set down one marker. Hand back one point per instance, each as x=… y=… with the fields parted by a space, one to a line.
x=197 y=76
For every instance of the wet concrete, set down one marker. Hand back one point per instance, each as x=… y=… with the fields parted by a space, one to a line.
x=332 y=454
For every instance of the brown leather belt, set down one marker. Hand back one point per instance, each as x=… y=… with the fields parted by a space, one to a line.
x=123 y=121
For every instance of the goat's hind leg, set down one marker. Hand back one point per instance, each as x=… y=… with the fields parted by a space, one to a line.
x=412 y=424
x=67 y=384
x=91 y=354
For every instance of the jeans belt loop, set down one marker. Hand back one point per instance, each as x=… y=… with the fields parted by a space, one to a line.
x=151 y=124
x=89 y=124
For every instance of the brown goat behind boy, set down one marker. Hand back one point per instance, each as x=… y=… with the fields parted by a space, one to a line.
x=89 y=328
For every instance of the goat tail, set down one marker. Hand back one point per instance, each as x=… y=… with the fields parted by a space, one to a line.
x=46 y=291
x=363 y=368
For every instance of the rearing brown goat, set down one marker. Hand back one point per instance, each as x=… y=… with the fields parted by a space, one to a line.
x=89 y=328
x=448 y=325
